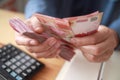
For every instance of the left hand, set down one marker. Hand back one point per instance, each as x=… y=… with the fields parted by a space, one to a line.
x=48 y=49
x=99 y=46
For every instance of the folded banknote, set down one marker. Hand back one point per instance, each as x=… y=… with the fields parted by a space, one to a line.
x=63 y=29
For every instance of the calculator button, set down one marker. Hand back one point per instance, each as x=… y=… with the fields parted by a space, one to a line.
x=37 y=63
x=18 y=63
x=24 y=74
x=22 y=60
x=18 y=70
x=16 y=52
x=8 y=51
x=13 y=67
x=13 y=48
x=23 y=67
x=3 y=59
x=0 y=51
x=8 y=63
x=4 y=66
x=32 y=60
x=27 y=64
x=9 y=45
x=18 y=57
x=33 y=67
x=4 y=53
x=8 y=70
x=4 y=48
x=13 y=60
x=22 y=54
x=29 y=70
x=8 y=56
x=19 y=78
x=27 y=57
x=13 y=74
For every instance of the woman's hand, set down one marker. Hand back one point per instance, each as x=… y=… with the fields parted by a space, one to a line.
x=97 y=47
x=47 y=49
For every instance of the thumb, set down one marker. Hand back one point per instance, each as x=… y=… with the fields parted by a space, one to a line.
x=35 y=24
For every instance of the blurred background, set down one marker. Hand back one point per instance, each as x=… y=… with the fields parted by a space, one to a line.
x=13 y=5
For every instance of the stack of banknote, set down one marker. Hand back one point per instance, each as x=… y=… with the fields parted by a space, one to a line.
x=62 y=29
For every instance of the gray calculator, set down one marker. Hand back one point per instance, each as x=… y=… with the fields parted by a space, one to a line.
x=15 y=64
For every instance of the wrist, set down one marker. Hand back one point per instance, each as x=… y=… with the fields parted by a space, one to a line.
x=118 y=45
x=117 y=38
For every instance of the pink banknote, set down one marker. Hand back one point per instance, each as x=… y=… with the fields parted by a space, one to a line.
x=62 y=29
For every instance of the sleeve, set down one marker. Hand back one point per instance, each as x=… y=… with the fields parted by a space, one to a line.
x=116 y=26
x=47 y=7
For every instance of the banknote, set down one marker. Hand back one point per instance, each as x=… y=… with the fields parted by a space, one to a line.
x=66 y=48
x=86 y=24
x=63 y=29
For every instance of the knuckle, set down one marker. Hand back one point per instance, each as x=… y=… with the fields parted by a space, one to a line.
x=93 y=40
x=92 y=59
x=29 y=49
x=17 y=42
x=37 y=55
x=96 y=51
x=20 y=42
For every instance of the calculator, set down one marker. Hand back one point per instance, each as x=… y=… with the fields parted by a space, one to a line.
x=15 y=64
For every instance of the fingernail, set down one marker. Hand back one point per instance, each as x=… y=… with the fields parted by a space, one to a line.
x=32 y=42
x=35 y=55
x=52 y=41
x=37 y=28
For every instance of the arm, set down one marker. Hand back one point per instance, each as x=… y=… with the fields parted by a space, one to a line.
x=116 y=26
x=47 y=7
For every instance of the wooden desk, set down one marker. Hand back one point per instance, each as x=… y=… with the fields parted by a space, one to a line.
x=52 y=66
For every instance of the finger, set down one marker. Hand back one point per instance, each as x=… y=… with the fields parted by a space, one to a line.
x=105 y=56
x=35 y=24
x=41 y=17
x=95 y=38
x=23 y=40
x=43 y=47
x=50 y=52
x=101 y=58
x=97 y=49
x=57 y=54
x=54 y=51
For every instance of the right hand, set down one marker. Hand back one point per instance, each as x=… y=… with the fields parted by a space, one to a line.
x=48 y=49
x=99 y=46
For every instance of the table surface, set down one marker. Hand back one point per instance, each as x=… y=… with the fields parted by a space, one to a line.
x=52 y=66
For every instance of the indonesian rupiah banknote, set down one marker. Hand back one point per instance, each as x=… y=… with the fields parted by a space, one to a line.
x=62 y=29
